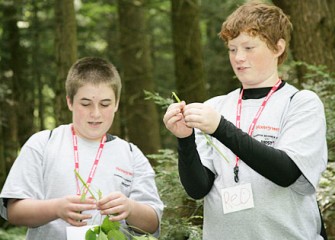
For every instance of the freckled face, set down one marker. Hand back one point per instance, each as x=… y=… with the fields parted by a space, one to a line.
x=93 y=110
x=254 y=64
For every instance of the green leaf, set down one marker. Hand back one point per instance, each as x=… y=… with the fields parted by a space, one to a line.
x=102 y=236
x=96 y=229
x=90 y=235
x=108 y=225
x=115 y=234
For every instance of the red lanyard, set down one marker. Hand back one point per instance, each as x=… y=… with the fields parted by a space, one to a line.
x=76 y=160
x=253 y=123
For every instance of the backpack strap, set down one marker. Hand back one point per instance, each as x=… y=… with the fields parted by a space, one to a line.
x=293 y=95
x=323 y=231
x=50 y=134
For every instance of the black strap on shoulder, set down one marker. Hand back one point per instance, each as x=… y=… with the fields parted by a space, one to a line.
x=50 y=134
x=111 y=137
x=293 y=95
x=323 y=231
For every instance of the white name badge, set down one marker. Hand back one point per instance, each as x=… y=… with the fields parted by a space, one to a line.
x=77 y=233
x=237 y=198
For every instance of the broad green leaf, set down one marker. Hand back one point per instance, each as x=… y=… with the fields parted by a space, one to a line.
x=108 y=225
x=115 y=234
x=96 y=229
x=102 y=236
x=90 y=235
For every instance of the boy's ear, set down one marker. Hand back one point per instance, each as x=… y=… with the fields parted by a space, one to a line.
x=281 y=45
x=69 y=103
x=117 y=105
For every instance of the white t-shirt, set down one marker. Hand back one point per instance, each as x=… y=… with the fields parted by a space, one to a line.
x=44 y=169
x=296 y=126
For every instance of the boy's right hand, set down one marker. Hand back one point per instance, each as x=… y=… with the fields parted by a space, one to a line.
x=174 y=120
x=71 y=208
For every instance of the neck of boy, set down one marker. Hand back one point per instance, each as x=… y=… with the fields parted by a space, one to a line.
x=257 y=93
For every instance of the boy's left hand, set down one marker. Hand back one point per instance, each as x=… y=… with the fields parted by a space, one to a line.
x=201 y=116
x=117 y=205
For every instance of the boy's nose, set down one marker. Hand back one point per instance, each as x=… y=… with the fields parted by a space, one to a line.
x=240 y=56
x=95 y=112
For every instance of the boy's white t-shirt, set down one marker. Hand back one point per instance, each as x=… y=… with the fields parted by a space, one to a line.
x=295 y=125
x=44 y=169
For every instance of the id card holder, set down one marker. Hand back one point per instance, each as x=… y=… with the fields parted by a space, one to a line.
x=237 y=198
x=77 y=233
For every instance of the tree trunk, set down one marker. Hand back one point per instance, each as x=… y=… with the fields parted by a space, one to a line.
x=10 y=78
x=141 y=115
x=36 y=63
x=218 y=71
x=188 y=63
x=112 y=39
x=187 y=46
x=66 y=55
x=313 y=42
x=313 y=38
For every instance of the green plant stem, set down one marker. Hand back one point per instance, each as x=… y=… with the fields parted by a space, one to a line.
x=214 y=146
x=176 y=97
x=85 y=185
x=210 y=142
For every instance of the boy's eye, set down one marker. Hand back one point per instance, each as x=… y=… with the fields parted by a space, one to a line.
x=232 y=50
x=105 y=104
x=249 y=48
x=85 y=104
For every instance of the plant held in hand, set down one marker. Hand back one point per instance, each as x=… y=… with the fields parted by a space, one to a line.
x=208 y=139
x=109 y=230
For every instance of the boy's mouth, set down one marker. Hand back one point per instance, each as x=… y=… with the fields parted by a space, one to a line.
x=241 y=68
x=94 y=123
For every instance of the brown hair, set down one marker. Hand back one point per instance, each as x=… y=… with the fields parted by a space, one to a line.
x=92 y=70
x=259 y=19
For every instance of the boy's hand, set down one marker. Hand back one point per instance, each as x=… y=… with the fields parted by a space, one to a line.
x=71 y=208
x=175 y=122
x=202 y=117
x=117 y=205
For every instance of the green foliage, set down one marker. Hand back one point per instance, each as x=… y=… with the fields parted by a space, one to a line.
x=107 y=231
x=326 y=193
x=17 y=233
x=174 y=224
x=159 y=100
x=325 y=88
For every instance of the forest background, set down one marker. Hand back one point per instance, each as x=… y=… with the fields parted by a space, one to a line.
x=159 y=46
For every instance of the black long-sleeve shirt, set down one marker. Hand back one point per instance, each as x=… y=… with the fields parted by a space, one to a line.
x=271 y=163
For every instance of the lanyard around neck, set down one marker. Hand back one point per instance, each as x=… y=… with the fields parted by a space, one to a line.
x=76 y=160
x=254 y=121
